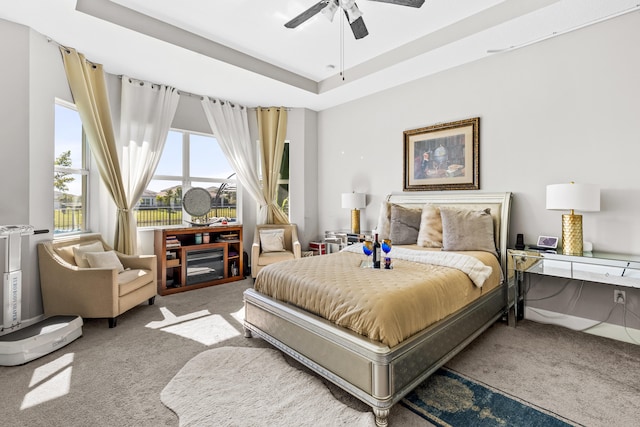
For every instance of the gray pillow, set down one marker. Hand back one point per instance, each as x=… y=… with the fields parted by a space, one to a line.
x=405 y=225
x=467 y=230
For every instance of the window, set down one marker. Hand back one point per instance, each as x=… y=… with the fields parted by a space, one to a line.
x=188 y=160
x=71 y=171
x=283 y=181
x=283 y=178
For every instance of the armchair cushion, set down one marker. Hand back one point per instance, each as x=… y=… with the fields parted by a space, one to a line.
x=104 y=259
x=272 y=240
x=80 y=253
x=130 y=280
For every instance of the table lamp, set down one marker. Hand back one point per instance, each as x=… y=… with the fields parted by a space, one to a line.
x=573 y=197
x=355 y=202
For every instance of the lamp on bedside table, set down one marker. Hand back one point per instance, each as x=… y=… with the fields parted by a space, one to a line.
x=355 y=202
x=572 y=196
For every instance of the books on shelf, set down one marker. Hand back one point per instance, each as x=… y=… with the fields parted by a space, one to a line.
x=172 y=242
x=228 y=237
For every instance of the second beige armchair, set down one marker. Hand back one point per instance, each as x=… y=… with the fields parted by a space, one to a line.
x=273 y=243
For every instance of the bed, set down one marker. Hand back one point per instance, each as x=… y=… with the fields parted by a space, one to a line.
x=377 y=364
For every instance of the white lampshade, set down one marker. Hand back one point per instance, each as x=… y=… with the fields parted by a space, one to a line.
x=579 y=197
x=353 y=200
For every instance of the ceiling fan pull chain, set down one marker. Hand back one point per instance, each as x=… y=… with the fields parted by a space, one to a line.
x=342 y=46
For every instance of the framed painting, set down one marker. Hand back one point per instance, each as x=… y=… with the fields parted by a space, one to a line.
x=442 y=156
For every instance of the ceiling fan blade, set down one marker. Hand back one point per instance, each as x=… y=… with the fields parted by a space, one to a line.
x=307 y=14
x=410 y=3
x=359 y=29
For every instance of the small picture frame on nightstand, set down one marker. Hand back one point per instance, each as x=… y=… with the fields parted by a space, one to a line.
x=549 y=242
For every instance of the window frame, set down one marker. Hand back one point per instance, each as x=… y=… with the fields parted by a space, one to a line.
x=84 y=171
x=187 y=180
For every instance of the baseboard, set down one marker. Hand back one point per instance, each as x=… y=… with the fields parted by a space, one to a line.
x=589 y=326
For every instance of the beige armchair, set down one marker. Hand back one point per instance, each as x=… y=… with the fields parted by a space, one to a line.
x=274 y=249
x=93 y=292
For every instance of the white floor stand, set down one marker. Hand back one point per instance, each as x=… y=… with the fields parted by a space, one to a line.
x=21 y=344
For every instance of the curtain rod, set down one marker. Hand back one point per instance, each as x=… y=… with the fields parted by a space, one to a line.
x=180 y=92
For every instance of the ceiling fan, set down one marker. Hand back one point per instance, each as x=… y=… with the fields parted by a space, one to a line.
x=354 y=15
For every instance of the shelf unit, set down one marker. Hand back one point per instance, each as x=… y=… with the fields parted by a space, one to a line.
x=196 y=257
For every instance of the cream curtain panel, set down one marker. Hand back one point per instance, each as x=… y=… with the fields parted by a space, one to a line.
x=272 y=125
x=89 y=91
x=230 y=126
x=146 y=113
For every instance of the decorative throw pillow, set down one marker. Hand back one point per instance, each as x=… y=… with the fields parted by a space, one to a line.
x=384 y=218
x=405 y=225
x=430 y=233
x=467 y=230
x=104 y=259
x=79 y=253
x=272 y=240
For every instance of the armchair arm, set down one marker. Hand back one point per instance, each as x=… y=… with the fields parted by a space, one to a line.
x=297 y=250
x=68 y=289
x=255 y=247
x=145 y=262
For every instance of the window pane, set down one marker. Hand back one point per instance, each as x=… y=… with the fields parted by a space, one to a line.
x=223 y=199
x=207 y=159
x=283 y=182
x=284 y=168
x=70 y=173
x=171 y=160
x=68 y=138
x=68 y=206
x=283 y=197
x=160 y=204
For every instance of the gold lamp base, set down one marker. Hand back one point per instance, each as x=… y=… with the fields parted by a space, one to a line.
x=572 y=234
x=355 y=221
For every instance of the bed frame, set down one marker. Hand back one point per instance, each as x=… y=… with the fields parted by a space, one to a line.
x=372 y=372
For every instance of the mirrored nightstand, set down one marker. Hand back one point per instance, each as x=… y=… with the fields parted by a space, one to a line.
x=601 y=267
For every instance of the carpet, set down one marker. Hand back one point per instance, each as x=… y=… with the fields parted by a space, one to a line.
x=242 y=386
x=449 y=399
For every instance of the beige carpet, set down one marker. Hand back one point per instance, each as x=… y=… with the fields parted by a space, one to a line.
x=114 y=377
x=233 y=386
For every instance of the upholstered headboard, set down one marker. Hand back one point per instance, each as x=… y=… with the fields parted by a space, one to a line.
x=499 y=203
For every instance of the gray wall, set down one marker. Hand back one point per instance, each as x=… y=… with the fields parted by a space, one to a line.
x=29 y=87
x=561 y=110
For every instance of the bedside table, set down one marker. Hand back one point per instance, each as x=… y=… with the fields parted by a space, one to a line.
x=337 y=240
x=619 y=270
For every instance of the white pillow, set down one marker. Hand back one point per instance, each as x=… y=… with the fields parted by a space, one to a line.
x=430 y=233
x=384 y=220
x=272 y=240
x=79 y=253
x=103 y=259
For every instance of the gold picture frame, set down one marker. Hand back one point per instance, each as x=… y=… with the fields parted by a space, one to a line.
x=444 y=156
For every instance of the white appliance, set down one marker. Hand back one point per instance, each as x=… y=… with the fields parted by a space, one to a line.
x=20 y=344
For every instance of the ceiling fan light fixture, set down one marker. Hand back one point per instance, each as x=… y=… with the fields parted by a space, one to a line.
x=352 y=10
x=330 y=9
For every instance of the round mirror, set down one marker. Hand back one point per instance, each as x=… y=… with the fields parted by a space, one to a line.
x=197 y=201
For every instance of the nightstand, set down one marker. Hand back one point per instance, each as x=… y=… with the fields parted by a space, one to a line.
x=337 y=240
x=619 y=270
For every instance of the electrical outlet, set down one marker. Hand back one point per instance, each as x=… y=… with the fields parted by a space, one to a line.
x=619 y=296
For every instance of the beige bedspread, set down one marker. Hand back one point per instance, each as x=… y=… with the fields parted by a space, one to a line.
x=385 y=305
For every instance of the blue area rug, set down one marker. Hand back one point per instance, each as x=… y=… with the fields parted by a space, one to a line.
x=447 y=399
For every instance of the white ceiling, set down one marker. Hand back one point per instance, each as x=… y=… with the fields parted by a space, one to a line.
x=239 y=50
